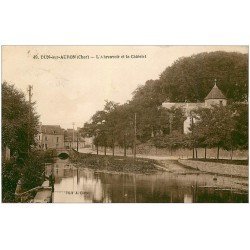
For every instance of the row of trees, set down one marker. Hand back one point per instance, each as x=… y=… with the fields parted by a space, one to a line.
x=221 y=127
x=115 y=125
x=189 y=79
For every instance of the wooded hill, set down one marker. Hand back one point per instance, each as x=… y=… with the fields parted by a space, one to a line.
x=188 y=79
x=191 y=78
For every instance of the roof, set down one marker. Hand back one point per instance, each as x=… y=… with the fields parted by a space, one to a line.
x=52 y=129
x=215 y=93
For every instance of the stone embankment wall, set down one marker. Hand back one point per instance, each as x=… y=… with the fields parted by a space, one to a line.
x=217 y=168
x=183 y=153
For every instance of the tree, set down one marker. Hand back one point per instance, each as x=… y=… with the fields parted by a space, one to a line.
x=103 y=126
x=191 y=78
x=19 y=121
x=215 y=127
x=171 y=141
x=200 y=130
x=188 y=79
x=240 y=135
x=19 y=129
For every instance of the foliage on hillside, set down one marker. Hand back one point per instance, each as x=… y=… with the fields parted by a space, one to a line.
x=189 y=79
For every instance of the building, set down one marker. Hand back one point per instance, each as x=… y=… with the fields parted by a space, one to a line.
x=214 y=97
x=73 y=139
x=50 y=137
x=89 y=142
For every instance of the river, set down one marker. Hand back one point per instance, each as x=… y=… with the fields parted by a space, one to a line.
x=86 y=185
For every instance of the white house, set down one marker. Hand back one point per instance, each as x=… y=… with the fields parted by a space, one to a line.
x=215 y=97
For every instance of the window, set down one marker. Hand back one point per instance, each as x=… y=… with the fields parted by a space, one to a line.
x=220 y=103
x=57 y=139
x=46 y=139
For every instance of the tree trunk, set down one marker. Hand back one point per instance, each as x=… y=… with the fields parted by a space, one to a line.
x=205 y=152
x=113 y=149
x=97 y=149
x=125 y=153
x=105 y=150
x=193 y=153
x=232 y=153
x=196 y=154
x=218 y=152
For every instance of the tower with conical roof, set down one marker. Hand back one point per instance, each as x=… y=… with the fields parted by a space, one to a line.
x=215 y=97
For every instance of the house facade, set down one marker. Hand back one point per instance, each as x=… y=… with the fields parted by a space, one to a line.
x=53 y=136
x=214 y=97
x=50 y=137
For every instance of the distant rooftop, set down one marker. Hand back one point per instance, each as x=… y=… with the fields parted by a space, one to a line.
x=51 y=129
x=215 y=93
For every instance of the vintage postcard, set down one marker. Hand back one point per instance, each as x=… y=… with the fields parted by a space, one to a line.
x=125 y=124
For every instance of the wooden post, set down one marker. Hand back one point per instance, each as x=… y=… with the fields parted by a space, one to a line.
x=205 y=152
x=135 y=138
x=170 y=123
x=113 y=147
x=29 y=118
x=73 y=134
x=135 y=188
x=218 y=152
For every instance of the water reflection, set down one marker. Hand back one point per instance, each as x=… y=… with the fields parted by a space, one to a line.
x=86 y=185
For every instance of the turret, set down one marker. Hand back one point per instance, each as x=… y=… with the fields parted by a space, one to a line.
x=215 y=97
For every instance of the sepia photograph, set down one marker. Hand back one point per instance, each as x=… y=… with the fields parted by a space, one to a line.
x=125 y=124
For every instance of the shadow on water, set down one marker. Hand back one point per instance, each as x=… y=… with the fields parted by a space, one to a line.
x=86 y=185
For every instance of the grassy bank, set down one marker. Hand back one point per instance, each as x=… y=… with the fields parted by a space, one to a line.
x=115 y=163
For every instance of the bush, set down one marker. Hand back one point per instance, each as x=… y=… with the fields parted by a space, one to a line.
x=30 y=171
x=34 y=168
x=10 y=176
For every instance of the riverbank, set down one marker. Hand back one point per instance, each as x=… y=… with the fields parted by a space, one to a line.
x=176 y=165
x=224 y=169
x=23 y=177
x=116 y=163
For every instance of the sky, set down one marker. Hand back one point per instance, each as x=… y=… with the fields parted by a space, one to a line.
x=70 y=90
